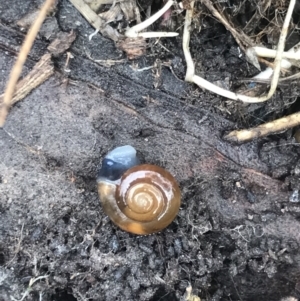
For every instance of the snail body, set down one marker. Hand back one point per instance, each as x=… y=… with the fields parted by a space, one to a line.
x=139 y=198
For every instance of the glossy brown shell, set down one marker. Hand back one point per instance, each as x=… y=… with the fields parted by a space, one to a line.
x=146 y=199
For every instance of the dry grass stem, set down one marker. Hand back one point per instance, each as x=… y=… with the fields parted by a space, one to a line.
x=95 y=20
x=88 y=13
x=263 y=130
x=40 y=73
x=17 y=69
x=43 y=69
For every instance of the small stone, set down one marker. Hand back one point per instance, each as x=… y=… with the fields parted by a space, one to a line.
x=294 y=198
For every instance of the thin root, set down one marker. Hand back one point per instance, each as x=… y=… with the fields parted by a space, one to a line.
x=204 y=84
x=134 y=31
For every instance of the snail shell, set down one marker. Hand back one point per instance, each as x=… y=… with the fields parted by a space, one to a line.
x=141 y=199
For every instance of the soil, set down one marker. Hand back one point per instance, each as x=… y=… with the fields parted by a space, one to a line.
x=237 y=234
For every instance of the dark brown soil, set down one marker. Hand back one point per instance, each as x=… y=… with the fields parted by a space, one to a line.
x=237 y=235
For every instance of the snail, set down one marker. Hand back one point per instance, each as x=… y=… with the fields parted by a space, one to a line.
x=138 y=198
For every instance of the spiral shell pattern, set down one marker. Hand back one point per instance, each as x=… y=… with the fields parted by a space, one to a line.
x=141 y=199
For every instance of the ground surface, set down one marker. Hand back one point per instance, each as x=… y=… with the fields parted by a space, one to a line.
x=237 y=235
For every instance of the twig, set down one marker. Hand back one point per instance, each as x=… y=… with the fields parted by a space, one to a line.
x=134 y=31
x=263 y=130
x=17 y=69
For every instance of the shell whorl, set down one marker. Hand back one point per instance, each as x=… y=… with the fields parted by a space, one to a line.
x=144 y=200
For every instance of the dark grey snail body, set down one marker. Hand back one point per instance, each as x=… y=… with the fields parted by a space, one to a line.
x=140 y=199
